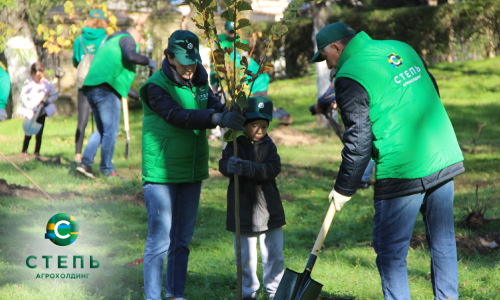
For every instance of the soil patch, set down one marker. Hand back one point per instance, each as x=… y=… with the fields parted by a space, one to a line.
x=24 y=192
x=334 y=298
x=17 y=159
x=286 y=135
x=467 y=243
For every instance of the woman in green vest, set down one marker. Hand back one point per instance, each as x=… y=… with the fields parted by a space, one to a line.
x=92 y=37
x=392 y=111
x=178 y=107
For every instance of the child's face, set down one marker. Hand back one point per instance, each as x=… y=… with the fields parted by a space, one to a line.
x=257 y=129
x=38 y=76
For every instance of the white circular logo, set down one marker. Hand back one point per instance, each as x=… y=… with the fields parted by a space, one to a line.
x=190 y=46
x=261 y=105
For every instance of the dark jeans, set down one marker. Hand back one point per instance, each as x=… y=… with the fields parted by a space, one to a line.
x=392 y=231
x=106 y=107
x=38 y=145
x=83 y=119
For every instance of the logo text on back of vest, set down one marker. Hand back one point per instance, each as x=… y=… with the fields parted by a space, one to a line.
x=408 y=76
x=395 y=60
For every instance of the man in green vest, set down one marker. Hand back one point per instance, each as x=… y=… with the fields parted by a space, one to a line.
x=179 y=107
x=4 y=93
x=109 y=79
x=392 y=111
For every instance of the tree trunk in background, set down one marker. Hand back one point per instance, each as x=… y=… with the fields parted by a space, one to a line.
x=320 y=19
x=20 y=52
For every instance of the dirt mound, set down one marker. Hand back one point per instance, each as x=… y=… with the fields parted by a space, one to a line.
x=468 y=243
x=18 y=191
x=45 y=159
x=286 y=135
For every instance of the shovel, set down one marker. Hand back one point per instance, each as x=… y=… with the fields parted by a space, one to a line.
x=300 y=286
x=31 y=127
x=127 y=126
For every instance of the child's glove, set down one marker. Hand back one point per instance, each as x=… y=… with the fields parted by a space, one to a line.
x=338 y=199
x=248 y=168
x=234 y=165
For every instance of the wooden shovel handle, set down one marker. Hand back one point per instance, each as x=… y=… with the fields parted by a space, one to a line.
x=125 y=114
x=324 y=229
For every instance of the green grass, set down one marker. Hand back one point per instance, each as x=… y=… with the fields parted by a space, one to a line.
x=114 y=228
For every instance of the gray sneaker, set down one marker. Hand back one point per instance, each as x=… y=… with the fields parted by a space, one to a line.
x=85 y=170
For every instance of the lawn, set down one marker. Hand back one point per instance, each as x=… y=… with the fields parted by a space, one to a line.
x=113 y=219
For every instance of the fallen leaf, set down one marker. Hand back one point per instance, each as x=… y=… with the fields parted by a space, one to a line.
x=488 y=244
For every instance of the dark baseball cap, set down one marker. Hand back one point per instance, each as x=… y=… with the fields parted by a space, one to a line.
x=185 y=45
x=328 y=35
x=259 y=108
x=97 y=14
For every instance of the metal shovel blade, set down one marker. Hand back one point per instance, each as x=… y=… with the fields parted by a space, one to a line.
x=31 y=127
x=298 y=286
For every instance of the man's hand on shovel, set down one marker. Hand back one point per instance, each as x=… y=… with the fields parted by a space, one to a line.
x=338 y=199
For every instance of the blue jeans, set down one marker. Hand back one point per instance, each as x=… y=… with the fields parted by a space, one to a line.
x=172 y=210
x=392 y=231
x=107 y=108
x=368 y=171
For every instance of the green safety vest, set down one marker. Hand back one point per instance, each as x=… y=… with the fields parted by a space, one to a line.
x=109 y=67
x=411 y=131
x=171 y=154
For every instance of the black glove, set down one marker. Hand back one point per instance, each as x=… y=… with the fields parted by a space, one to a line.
x=229 y=120
x=234 y=165
x=248 y=168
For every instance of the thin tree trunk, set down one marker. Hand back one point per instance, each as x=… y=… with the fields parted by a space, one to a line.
x=20 y=52
x=320 y=19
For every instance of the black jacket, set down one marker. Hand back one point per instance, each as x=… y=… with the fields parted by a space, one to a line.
x=353 y=102
x=168 y=109
x=260 y=202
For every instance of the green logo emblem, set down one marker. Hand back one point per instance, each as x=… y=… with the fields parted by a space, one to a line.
x=62 y=229
x=395 y=60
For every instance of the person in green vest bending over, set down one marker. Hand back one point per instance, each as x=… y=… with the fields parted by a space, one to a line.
x=392 y=112
x=92 y=37
x=178 y=107
x=109 y=79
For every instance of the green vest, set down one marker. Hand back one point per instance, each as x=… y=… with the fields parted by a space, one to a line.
x=171 y=154
x=109 y=67
x=412 y=134
x=4 y=88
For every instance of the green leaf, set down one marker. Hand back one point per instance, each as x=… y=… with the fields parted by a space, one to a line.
x=242 y=46
x=52 y=32
x=243 y=23
x=242 y=100
x=229 y=15
x=206 y=3
x=229 y=3
x=266 y=67
x=243 y=5
x=59 y=29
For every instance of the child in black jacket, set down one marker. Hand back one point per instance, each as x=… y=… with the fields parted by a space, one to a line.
x=261 y=212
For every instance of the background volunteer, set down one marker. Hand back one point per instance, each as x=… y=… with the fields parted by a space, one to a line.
x=92 y=37
x=109 y=79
